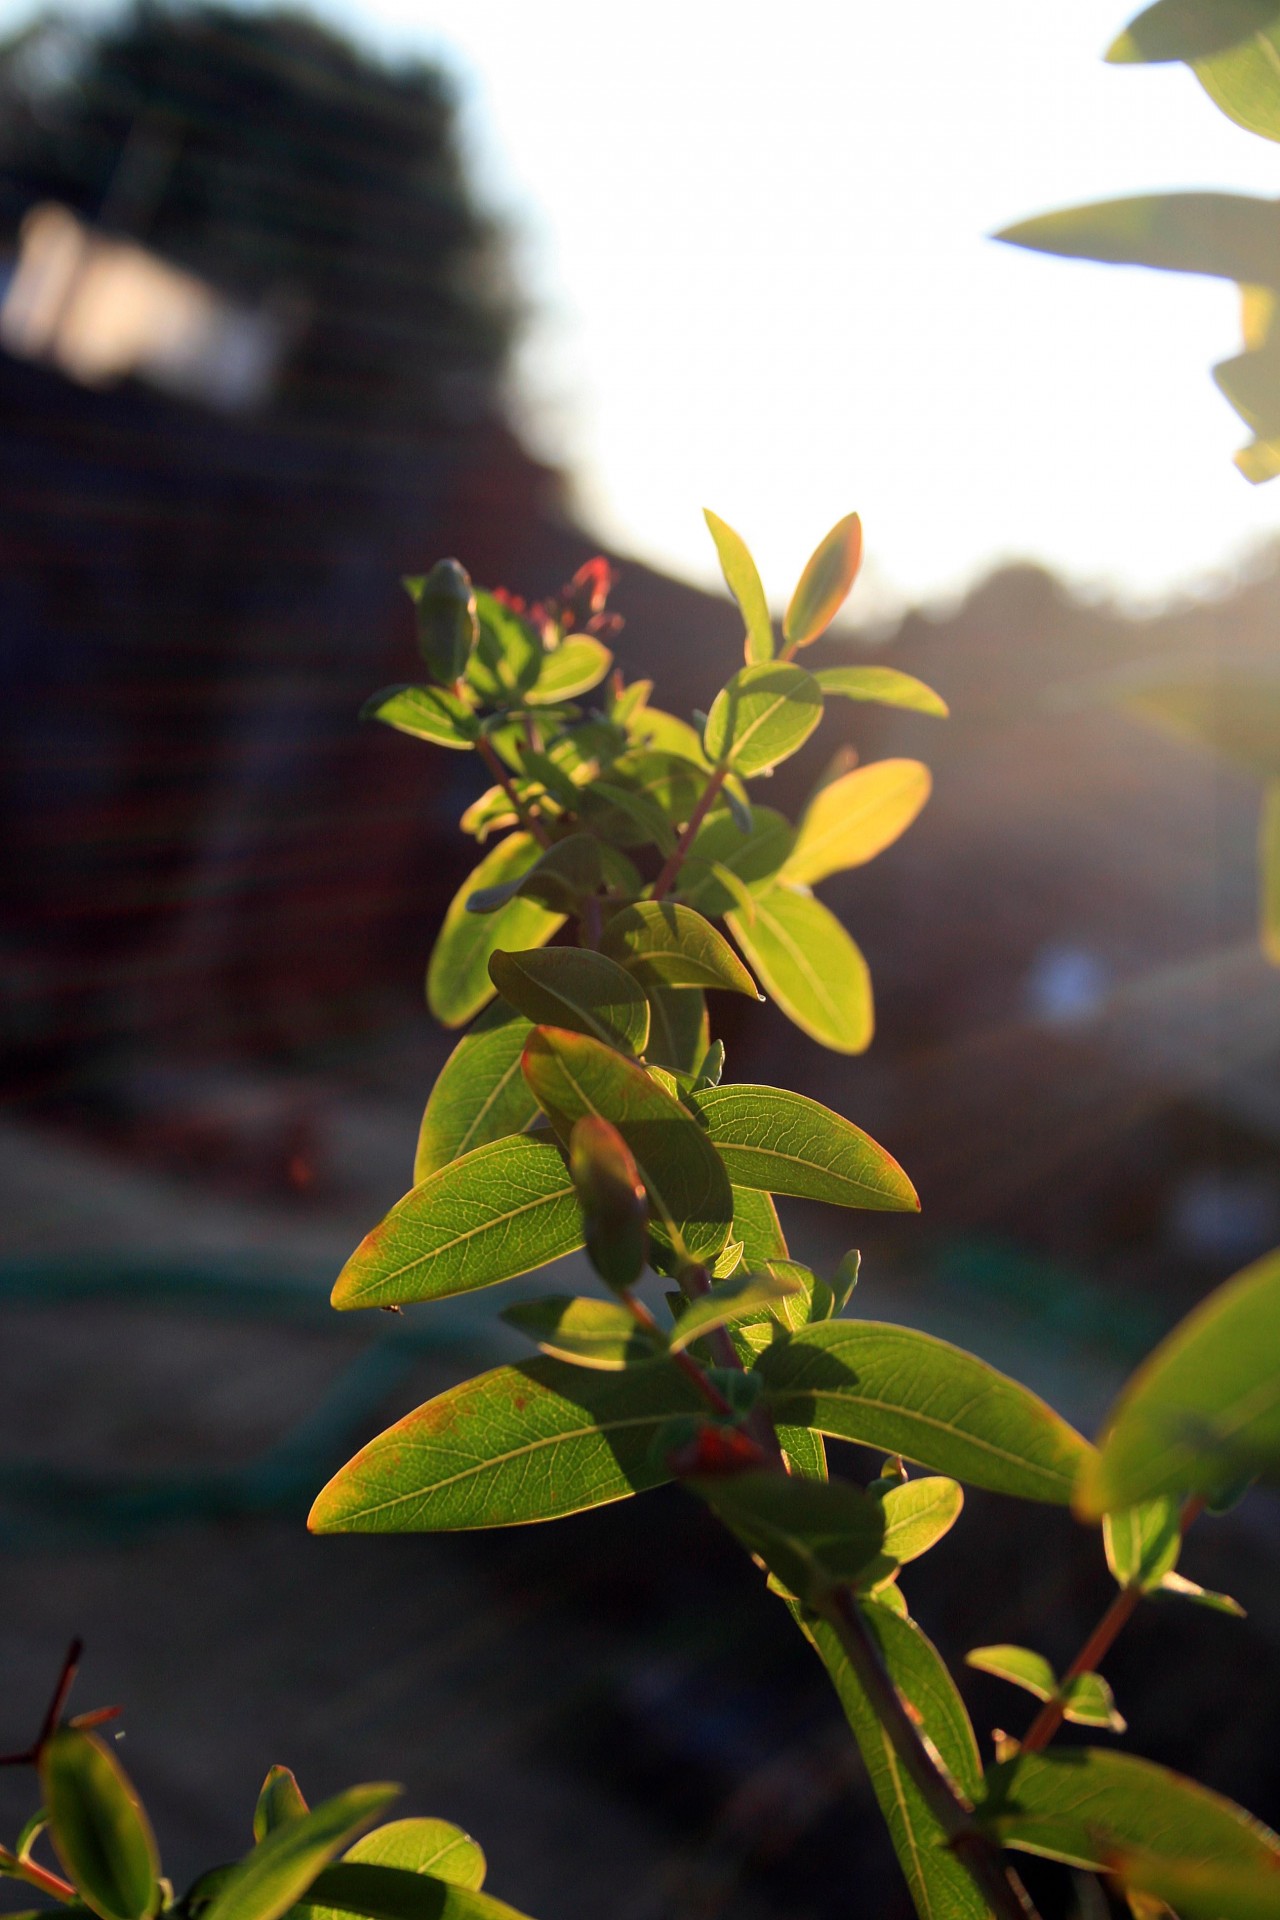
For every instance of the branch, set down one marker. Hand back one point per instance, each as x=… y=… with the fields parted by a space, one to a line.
x=1096 y=1648
x=662 y=885
x=529 y=821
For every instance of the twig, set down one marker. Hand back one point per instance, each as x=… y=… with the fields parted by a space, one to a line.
x=684 y=1360
x=1096 y=1648
x=37 y=1876
x=529 y=821
x=662 y=885
x=30 y=1756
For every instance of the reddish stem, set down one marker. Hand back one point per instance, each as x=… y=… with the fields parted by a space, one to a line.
x=662 y=885
x=685 y=1361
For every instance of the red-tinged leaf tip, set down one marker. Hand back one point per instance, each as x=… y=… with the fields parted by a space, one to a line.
x=715 y=1452
x=824 y=585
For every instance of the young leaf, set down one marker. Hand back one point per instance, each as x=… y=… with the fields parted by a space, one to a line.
x=283 y=1865
x=783 y=1142
x=1190 y=29
x=519 y=1443
x=279 y=1802
x=664 y=733
x=1142 y=1544
x=480 y=1093
x=672 y=946
x=436 y=1847
x=813 y=1535
x=573 y=987
x=887 y=686
x=508 y=656
x=589 y=1333
x=753 y=858
x=98 y=1828
x=743 y=582
x=940 y=1886
x=1174 y=1586
x=851 y=820
x=1091 y=1703
x=575 y=666
x=679 y=1031
x=502 y=1209
x=447 y=624
x=1019 y=1665
x=763 y=715
x=1087 y=1805
x=810 y=966
x=558 y=878
x=1231 y=235
x=1204 y=1407
x=905 y=1392
x=428 y=713
x=1243 y=80
x=615 y=1209
x=824 y=585
x=917 y=1514
x=393 y=1893
x=730 y=1300
x=688 y=1188
x=1201 y=1889
x=458 y=983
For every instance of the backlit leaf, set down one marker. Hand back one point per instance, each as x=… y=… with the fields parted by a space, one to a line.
x=743 y=582
x=1231 y=235
x=458 y=983
x=573 y=987
x=887 y=686
x=688 y=1188
x=810 y=966
x=917 y=1514
x=661 y=941
x=502 y=1209
x=762 y=716
x=1190 y=29
x=756 y=1225
x=1175 y=1587
x=1089 y=1702
x=1142 y=1543
x=519 y=1443
x=905 y=1392
x=679 y=1032
x=1019 y=1665
x=856 y=817
x=823 y=587
x=393 y=1893
x=590 y=1333
x=279 y=1802
x=480 y=1093
x=812 y=1534
x=664 y=733
x=428 y=713
x=783 y=1142
x=508 y=655
x=1204 y=1407
x=575 y=666
x=282 y=1867
x=1244 y=81
x=557 y=879
x=99 y=1830
x=611 y=1193
x=1086 y=1804
x=753 y=858
x=730 y=1300
x=437 y=1847
x=1201 y=1889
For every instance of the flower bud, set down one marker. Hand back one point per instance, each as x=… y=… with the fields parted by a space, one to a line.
x=615 y=1209
x=447 y=624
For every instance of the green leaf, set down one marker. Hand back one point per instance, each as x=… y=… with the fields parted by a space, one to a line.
x=279 y=1802
x=783 y=1142
x=501 y=1210
x=1142 y=1544
x=729 y=1300
x=437 y=1847
x=428 y=713
x=572 y=987
x=508 y=656
x=763 y=715
x=1235 y=713
x=661 y=942
x=688 y=1188
x=1019 y=1665
x=519 y=1443
x=1203 y=1408
x=1269 y=873
x=458 y=983
x=887 y=686
x=575 y=666
x=392 y=1893
x=1089 y=1702
x=940 y=1887
x=1087 y=1804
x=1244 y=80
x=917 y=1515
x=98 y=1828
x=1201 y=1889
x=282 y=1867
x=447 y=624
x=753 y=858
x=824 y=585
x=810 y=966
x=1233 y=236
x=856 y=817
x=1175 y=1587
x=558 y=878
x=480 y=1093
x=629 y=819
x=743 y=582
x=664 y=733
x=905 y=1392
x=813 y=1535
x=611 y=1193
x=589 y=1333
x=756 y=1225
x=1190 y=29
x=679 y=1032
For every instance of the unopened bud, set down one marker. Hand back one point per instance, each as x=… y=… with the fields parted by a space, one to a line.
x=615 y=1208
x=447 y=624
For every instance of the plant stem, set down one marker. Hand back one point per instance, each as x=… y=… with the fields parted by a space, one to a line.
x=37 y=1876
x=529 y=821
x=1096 y=1647
x=684 y=1360
x=662 y=885
x=953 y=1814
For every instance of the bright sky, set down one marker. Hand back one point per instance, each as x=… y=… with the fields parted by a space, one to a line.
x=754 y=238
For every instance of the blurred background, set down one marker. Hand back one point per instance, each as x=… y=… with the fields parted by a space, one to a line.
x=291 y=304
